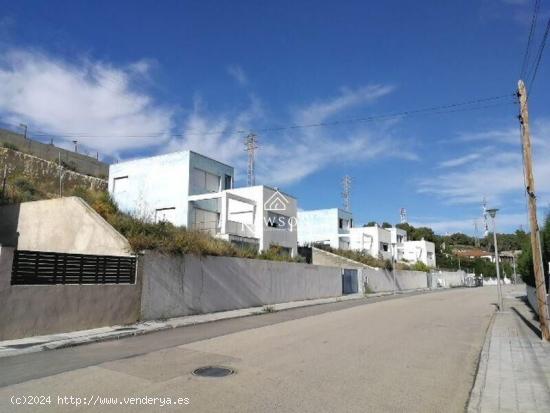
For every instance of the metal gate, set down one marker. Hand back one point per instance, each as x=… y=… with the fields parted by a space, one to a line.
x=349 y=281
x=46 y=268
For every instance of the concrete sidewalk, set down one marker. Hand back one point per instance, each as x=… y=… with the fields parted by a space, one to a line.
x=514 y=368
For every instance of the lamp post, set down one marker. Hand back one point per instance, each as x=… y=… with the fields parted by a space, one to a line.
x=393 y=267
x=492 y=213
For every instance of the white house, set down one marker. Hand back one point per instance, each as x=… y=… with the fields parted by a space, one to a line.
x=259 y=212
x=375 y=241
x=325 y=226
x=423 y=251
x=385 y=242
x=157 y=188
x=192 y=190
x=398 y=238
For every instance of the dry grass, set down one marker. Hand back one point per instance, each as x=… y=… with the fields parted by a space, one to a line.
x=141 y=234
x=357 y=256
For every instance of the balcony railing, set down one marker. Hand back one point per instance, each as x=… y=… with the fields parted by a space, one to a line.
x=233 y=228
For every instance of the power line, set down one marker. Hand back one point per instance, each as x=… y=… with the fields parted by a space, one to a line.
x=539 y=56
x=469 y=105
x=532 y=29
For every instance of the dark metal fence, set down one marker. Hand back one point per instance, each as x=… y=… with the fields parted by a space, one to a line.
x=46 y=268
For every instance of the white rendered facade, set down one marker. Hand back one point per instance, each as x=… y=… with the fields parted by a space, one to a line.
x=423 y=251
x=192 y=190
x=375 y=241
x=326 y=226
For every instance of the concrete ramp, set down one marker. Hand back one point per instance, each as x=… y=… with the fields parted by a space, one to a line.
x=59 y=225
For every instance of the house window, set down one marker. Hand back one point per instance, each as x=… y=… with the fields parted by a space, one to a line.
x=120 y=184
x=207 y=221
x=340 y=223
x=228 y=182
x=384 y=246
x=165 y=214
x=203 y=181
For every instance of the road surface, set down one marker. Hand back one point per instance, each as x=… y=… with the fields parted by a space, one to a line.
x=414 y=353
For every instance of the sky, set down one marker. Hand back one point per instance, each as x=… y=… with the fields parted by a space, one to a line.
x=141 y=78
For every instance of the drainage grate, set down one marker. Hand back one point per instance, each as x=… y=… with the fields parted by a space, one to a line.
x=213 y=371
x=126 y=329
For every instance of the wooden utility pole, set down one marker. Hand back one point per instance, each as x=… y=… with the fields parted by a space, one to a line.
x=532 y=204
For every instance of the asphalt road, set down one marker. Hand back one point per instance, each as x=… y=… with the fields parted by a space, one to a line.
x=414 y=353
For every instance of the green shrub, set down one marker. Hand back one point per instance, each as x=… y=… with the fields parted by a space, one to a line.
x=420 y=266
x=11 y=146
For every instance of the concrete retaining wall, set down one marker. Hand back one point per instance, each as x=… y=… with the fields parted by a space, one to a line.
x=27 y=310
x=183 y=285
x=447 y=279
x=532 y=298
x=381 y=280
x=59 y=225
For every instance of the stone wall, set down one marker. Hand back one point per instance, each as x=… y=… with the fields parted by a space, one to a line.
x=79 y=162
x=45 y=172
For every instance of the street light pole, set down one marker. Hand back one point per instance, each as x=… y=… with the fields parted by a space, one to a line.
x=393 y=267
x=492 y=213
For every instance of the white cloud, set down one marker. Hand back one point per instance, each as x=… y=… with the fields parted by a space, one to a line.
x=91 y=99
x=450 y=163
x=286 y=157
x=504 y=222
x=237 y=73
x=498 y=174
x=106 y=108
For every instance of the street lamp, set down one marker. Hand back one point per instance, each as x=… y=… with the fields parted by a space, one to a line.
x=393 y=266
x=492 y=213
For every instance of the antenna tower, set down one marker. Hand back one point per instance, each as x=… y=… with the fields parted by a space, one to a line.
x=346 y=192
x=251 y=144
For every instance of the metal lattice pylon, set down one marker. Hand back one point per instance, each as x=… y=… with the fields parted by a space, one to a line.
x=346 y=192
x=251 y=144
x=403 y=215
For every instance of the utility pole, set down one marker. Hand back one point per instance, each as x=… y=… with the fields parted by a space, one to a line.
x=532 y=204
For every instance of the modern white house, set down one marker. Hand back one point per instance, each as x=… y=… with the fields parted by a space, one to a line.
x=398 y=239
x=257 y=214
x=419 y=251
x=325 y=226
x=189 y=189
x=374 y=240
x=157 y=188
x=387 y=242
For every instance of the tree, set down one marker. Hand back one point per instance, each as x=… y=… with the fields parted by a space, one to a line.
x=370 y=224
x=386 y=225
x=525 y=260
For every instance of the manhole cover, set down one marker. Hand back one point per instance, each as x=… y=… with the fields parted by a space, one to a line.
x=213 y=371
